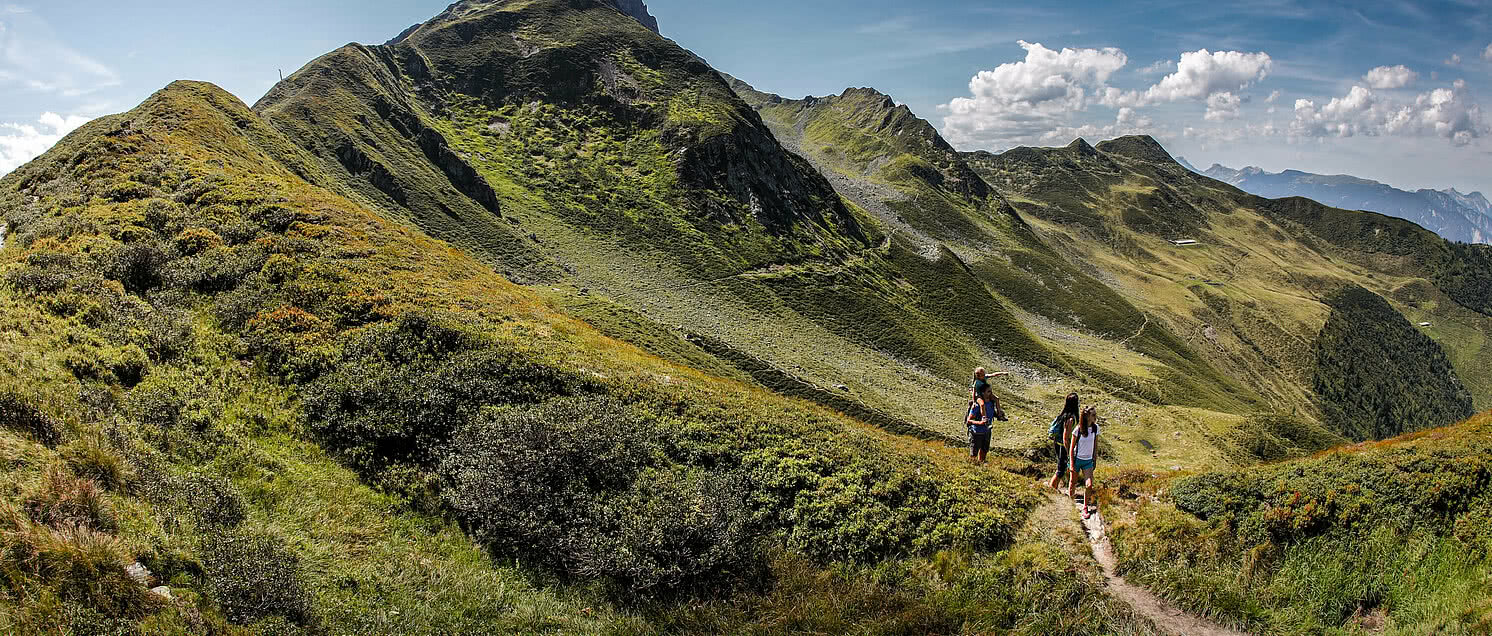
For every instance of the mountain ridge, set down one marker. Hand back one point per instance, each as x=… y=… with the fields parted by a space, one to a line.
x=1455 y=216
x=532 y=321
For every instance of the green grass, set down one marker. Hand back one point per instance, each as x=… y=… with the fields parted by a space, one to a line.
x=1312 y=545
x=250 y=475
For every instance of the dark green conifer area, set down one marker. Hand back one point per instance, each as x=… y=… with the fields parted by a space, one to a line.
x=1378 y=376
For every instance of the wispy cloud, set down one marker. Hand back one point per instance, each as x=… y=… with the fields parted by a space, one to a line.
x=1160 y=67
x=34 y=58
x=20 y=143
x=900 y=24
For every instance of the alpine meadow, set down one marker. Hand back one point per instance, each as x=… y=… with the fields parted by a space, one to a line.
x=529 y=320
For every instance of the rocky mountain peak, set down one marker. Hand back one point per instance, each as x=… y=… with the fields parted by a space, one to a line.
x=1141 y=147
x=869 y=94
x=638 y=10
x=1082 y=147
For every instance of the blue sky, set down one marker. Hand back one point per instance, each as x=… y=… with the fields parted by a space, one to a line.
x=1275 y=83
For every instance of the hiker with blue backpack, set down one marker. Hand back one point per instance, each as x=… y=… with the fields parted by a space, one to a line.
x=1060 y=433
x=984 y=410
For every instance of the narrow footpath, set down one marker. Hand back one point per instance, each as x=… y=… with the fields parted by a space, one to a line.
x=1166 y=617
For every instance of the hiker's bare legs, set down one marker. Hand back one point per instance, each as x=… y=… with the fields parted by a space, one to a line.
x=1088 y=490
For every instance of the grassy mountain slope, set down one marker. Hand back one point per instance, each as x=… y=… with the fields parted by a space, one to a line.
x=630 y=168
x=630 y=164
x=1390 y=535
x=1251 y=297
x=888 y=161
x=302 y=414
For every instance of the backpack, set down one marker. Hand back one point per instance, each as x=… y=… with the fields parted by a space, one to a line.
x=1055 y=432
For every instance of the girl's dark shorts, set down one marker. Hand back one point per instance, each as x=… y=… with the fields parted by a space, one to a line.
x=978 y=442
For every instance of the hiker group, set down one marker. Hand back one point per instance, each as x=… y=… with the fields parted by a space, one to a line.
x=1074 y=435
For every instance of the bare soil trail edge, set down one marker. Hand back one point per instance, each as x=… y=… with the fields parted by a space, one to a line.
x=1166 y=617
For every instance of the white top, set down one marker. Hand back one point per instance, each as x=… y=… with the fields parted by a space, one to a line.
x=1085 y=443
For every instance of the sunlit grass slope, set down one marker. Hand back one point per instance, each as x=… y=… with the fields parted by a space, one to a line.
x=1253 y=297
x=301 y=415
x=1391 y=534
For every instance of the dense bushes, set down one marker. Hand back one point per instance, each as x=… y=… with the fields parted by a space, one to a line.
x=648 y=490
x=19 y=415
x=1400 y=488
x=1377 y=376
x=582 y=486
x=1305 y=545
x=255 y=577
x=399 y=389
x=1467 y=276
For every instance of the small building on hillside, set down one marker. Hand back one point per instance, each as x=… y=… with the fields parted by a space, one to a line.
x=1185 y=243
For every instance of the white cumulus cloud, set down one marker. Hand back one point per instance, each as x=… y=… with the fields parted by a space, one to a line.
x=1487 y=54
x=1030 y=97
x=20 y=143
x=1222 y=106
x=1453 y=60
x=1387 y=77
x=1449 y=113
x=1126 y=122
x=1215 y=77
x=1201 y=73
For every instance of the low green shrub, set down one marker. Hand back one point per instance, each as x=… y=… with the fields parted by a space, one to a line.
x=581 y=486
x=253 y=577
x=20 y=415
x=1307 y=545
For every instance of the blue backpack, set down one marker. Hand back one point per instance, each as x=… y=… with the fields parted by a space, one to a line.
x=1055 y=432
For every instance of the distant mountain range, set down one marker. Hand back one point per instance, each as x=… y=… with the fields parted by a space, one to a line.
x=1457 y=217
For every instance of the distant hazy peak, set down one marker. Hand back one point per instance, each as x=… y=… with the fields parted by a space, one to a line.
x=1449 y=213
x=638 y=10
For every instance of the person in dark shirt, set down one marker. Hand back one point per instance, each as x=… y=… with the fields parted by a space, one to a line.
x=981 y=416
x=1061 y=432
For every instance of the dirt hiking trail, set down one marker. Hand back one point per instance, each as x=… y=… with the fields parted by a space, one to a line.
x=1166 y=617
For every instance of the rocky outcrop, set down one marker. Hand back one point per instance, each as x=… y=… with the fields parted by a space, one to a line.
x=359 y=164
x=639 y=11
x=464 y=177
